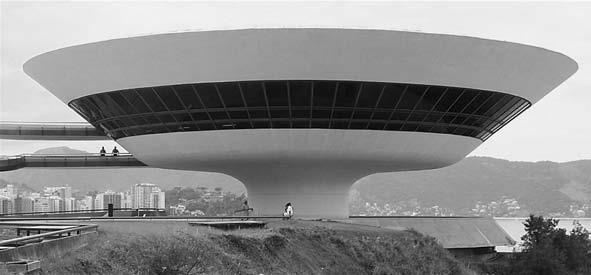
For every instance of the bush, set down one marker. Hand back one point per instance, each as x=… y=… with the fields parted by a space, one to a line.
x=549 y=250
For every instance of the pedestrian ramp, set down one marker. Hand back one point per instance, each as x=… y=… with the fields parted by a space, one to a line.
x=50 y=131
x=8 y=163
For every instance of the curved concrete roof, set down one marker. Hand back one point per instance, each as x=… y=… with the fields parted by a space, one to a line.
x=320 y=54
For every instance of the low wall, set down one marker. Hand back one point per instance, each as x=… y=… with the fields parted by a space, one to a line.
x=56 y=247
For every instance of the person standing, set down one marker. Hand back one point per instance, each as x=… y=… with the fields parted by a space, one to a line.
x=288 y=212
x=115 y=151
x=103 y=151
x=246 y=208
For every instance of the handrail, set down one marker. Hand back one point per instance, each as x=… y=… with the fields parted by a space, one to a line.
x=25 y=223
x=86 y=218
x=32 y=218
x=82 y=211
x=81 y=123
x=67 y=155
x=8 y=163
x=42 y=236
x=187 y=217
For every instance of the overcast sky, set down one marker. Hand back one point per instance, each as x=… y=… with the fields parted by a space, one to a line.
x=558 y=128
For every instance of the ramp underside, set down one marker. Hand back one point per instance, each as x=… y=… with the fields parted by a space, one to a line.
x=25 y=131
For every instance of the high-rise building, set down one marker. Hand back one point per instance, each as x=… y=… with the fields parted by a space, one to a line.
x=18 y=205
x=56 y=203
x=6 y=205
x=87 y=203
x=70 y=204
x=103 y=200
x=9 y=191
x=41 y=205
x=28 y=205
x=23 y=205
x=126 y=199
x=63 y=192
x=147 y=195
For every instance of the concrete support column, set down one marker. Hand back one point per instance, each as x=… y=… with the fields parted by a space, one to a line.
x=314 y=191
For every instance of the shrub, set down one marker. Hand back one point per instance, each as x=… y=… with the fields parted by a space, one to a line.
x=549 y=250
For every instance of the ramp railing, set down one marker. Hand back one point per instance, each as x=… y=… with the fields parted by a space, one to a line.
x=8 y=163
x=49 y=235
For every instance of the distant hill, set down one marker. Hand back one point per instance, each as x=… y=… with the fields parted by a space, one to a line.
x=61 y=150
x=544 y=187
x=118 y=179
x=20 y=186
x=540 y=187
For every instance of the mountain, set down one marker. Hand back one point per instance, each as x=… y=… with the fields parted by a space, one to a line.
x=537 y=187
x=61 y=150
x=118 y=179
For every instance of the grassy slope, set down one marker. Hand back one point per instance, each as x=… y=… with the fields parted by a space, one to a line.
x=292 y=247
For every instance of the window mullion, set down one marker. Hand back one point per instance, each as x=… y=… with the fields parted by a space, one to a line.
x=217 y=90
x=415 y=106
x=151 y=110
x=205 y=108
x=334 y=101
x=289 y=104
x=447 y=110
x=375 y=107
x=136 y=110
x=185 y=107
x=478 y=108
x=167 y=109
x=245 y=105
x=396 y=107
x=432 y=108
x=355 y=105
x=267 y=104
x=311 y=103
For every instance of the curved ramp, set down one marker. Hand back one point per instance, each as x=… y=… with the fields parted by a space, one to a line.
x=8 y=163
x=50 y=131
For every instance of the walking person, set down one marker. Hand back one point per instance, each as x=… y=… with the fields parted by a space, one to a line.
x=103 y=152
x=288 y=212
x=115 y=151
x=246 y=208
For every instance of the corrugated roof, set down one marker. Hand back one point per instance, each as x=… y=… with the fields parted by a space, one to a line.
x=451 y=232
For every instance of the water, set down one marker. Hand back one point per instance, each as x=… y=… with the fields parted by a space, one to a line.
x=514 y=227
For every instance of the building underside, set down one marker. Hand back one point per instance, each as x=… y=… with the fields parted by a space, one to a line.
x=299 y=115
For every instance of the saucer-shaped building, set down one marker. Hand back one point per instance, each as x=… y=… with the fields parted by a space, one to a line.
x=299 y=115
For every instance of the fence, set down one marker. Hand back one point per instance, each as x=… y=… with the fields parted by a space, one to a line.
x=49 y=235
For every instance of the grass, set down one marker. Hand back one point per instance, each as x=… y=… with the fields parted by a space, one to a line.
x=292 y=247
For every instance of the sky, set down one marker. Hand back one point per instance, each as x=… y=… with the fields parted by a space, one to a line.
x=557 y=128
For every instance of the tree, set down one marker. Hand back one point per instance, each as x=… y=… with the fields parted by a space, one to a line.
x=538 y=230
x=578 y=252
x=549 y=250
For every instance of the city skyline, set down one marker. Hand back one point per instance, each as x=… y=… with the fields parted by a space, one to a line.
x=61 y=198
